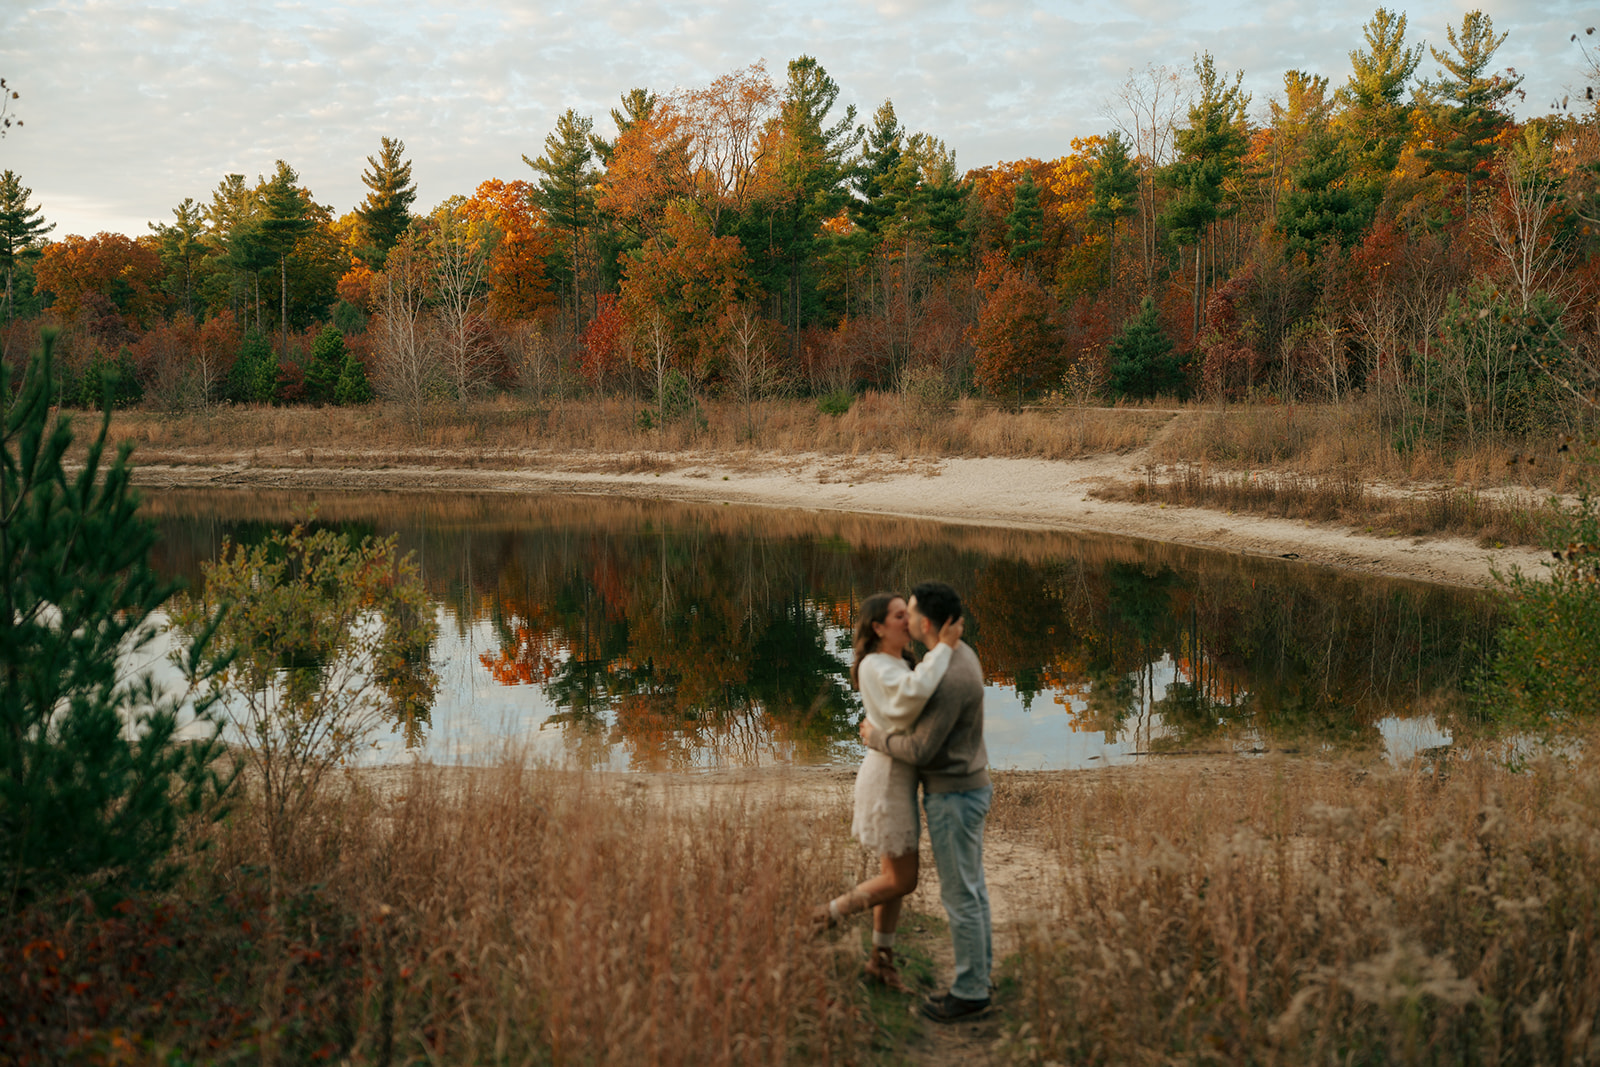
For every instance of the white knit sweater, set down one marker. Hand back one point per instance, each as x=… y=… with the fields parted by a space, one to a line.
x=893 y=693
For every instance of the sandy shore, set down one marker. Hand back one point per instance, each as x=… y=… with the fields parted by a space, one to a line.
x=1029 y=493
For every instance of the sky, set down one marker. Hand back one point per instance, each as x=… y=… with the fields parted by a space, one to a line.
x=130 y=107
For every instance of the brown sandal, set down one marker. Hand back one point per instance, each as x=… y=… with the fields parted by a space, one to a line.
x=881 y=969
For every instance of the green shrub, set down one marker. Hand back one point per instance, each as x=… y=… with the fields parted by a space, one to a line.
x=1544 y=671
x=837 y=402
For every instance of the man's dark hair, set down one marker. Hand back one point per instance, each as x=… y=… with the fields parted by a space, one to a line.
x=937 y=602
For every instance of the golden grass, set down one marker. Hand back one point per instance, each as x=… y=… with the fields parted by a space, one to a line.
x=1347 y=440
x=875 y=423
x=1219 y=911
x=500 y=916
x=1344 y=498
x=1312 y=912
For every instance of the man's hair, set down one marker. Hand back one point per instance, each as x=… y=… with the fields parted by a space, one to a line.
x=937 y=602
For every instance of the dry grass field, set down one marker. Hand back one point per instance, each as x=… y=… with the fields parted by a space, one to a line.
x=1313 y=910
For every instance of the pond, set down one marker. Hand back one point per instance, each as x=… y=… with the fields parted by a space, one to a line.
x=633 y=634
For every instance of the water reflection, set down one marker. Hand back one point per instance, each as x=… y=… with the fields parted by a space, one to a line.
x=629 y=633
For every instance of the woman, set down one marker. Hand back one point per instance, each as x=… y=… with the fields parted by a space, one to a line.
x=894 y=688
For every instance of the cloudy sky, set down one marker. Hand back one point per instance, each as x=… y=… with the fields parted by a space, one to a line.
x=130 y=107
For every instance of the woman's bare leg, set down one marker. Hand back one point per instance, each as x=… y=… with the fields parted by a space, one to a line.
x=902 y=874
x=896 y=878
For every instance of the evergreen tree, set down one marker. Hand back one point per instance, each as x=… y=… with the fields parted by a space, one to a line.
x=93 y=780
x=875 y=171
x=21 y=227
x=1116 y=188
x=182 y=248
x=1143 y=363
x=285 y=218
x=353 y=387
x=254 y=376
x=386 y=212
x=233 y=221
x=565 y=192
x=1324 y=205
x=1467 y=100
x=1210 y=149
x=637 y=106
x=812 y=168
x=1373 y=120
x=326 y=366
x=1025 y=222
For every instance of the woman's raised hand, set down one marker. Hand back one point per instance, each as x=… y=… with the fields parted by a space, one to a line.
x=950 y=632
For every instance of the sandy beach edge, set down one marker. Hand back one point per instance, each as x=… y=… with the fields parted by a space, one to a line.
x=1018 y=493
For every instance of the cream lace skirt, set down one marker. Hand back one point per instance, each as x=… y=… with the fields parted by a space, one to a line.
x=886 y=819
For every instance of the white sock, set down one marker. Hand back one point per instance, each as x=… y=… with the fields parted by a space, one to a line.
x=882 y=940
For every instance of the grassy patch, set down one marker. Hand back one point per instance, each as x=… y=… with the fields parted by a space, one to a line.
x=1341 y=497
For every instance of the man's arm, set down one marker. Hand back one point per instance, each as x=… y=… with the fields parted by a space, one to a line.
x=924 y=741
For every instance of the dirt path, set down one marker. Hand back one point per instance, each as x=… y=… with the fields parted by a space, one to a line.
x=1027 y=493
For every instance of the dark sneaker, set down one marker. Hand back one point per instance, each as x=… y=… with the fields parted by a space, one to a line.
x=949 y=1008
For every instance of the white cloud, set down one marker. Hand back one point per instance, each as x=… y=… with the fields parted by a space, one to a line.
x=131 y=106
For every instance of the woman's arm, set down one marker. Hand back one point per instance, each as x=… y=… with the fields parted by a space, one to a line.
x=894 y=694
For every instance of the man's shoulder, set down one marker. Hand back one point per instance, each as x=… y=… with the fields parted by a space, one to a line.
x=964 y=665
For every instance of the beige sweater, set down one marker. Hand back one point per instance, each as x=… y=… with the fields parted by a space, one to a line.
x=894 y=693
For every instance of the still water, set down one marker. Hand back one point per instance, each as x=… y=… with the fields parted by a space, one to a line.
x=633 y=634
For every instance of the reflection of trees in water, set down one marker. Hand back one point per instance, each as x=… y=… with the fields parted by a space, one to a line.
x=685 y=633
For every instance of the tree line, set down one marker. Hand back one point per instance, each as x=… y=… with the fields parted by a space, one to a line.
x=1398 y=235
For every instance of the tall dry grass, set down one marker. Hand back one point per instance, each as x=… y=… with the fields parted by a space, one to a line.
x=1312 y=913
x=1493 y=519
x=875 y=423
x=1348 y=440
x=502 y=916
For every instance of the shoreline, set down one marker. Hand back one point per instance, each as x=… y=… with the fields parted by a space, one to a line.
x=1001 y=492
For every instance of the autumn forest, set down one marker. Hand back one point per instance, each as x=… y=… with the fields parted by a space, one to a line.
x=1390 y=232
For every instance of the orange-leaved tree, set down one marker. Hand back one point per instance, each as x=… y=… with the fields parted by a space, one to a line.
x=519 y=288
x=1016 y=342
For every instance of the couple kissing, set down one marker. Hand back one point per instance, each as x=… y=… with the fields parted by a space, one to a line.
x=923 y=723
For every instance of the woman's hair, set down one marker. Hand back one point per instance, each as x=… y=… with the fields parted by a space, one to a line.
x=873 y=609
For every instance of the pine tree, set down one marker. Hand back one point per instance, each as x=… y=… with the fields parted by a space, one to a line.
x=565 y=191
x=326 y=366
x=182 y=248
x=875 y=171
x=1373 y=120
x=284 y=220
x=1025 y=222
x=233 y=219
x=1210 y=149
x=1142 y=359
x=637 y=106
x=813 y=168
x=353 y=387
x=21 y=227
x=254 y=376
x=93 y=780
x=1116 y=188
x=386 y=212
x=1324 y=204
x=1467 y=100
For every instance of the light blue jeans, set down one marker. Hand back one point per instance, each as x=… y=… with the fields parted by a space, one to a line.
x=955 y=827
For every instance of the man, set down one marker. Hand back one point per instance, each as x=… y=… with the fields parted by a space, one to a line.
x=946 y=747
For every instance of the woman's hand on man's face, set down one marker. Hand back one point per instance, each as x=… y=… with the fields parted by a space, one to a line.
x=950 y=633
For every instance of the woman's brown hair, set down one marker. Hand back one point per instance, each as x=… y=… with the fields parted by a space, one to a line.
x=873 y=609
